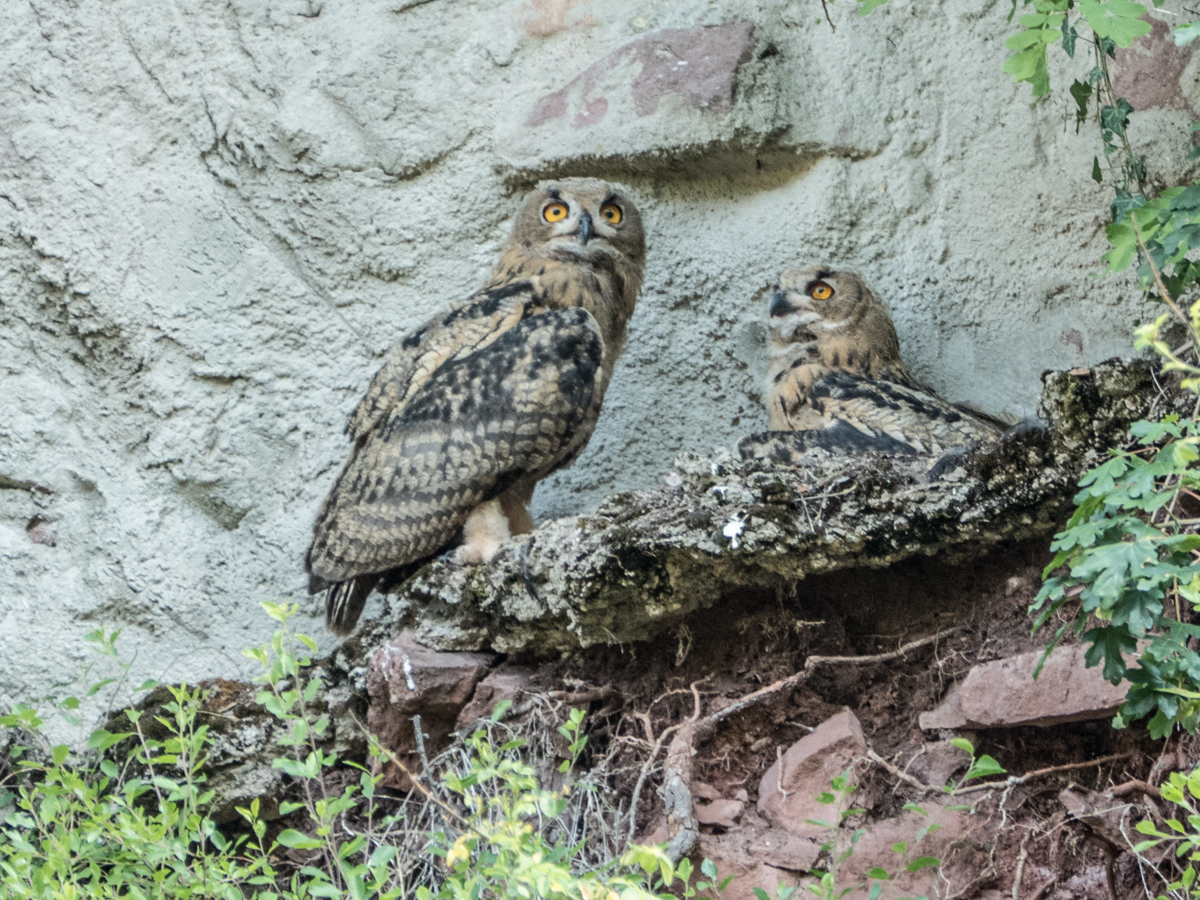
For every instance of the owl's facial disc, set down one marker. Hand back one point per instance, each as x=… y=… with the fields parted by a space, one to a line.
x=584 y=230
x=791 y=317
x=581 y=232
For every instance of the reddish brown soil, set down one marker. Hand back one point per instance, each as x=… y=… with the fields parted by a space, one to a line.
x=753 y=639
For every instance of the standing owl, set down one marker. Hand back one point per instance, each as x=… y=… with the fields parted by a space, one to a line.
x=475 y=407
x=835 y=378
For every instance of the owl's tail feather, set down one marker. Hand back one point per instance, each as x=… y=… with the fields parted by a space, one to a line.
x=344 y=603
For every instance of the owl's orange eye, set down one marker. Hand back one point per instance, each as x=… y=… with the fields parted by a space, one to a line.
x=555 y=212
x=820 y=291
x=612 y=213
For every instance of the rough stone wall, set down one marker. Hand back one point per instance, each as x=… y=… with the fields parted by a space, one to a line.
x=216 y=216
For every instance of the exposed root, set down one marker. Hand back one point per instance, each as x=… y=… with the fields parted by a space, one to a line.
x=1021 y=857
x=1135 y=787
x=656 y=747
x=677 y=795
x=1013 y=780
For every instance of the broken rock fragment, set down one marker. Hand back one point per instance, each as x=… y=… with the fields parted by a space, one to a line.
x=1004 y=694
x=720 y=813
x=788 y=791
x=496 y=687
x=405 y=679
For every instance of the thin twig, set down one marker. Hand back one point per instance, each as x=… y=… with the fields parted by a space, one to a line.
x=812 y=662
x=657 y=745
x=825 y=7
x=420 y=734
x=902 y=775
x=1014 y=780
x=571 y=698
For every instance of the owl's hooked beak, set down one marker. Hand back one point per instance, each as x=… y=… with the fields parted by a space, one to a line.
x=780 y=305
x=585 y=230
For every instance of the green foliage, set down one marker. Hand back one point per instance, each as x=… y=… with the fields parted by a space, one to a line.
x=131 y=818
x=980 y=767
x=1113 y=23
x=498 y=851
x=1130 y=552
x=1183 y=791
x=1130 y=572
x=828 y=886
x=78 y=831
x=1157 y=235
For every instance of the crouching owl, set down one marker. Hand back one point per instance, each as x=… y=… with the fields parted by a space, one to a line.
x=835 y=379
x=475 y=407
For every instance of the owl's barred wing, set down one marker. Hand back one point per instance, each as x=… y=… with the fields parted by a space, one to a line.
x=862 y=414
x=462 y=330
x=521 y=404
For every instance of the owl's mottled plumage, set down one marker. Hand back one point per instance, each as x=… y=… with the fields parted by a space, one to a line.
x=835 y=379
x=471 y=410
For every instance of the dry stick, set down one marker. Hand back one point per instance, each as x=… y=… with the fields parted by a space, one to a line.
x=677 y=771
x=567 y=697
x=420 y=735
x=902 y=775
x=1135 y=786
x=1013 y=780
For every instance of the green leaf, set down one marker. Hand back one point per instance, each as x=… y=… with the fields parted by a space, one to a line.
x=881 y=874
x=964 y=745
x=760 y=893
x=1030 y=65
x=500 y=709
x=984 y=766
x=923 y=862
x=1124 y=246
x=1185 y=34
x=102 y=740
x=290 y=837
x=1069 y=36
x=865 y=6
x=1082 y=93
x=1118 y=20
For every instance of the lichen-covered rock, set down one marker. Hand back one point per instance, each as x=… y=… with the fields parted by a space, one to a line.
x=647 y=559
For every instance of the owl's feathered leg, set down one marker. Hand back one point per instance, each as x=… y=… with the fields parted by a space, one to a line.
x=344 y=602
x=515 y=503
x=484 y=531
